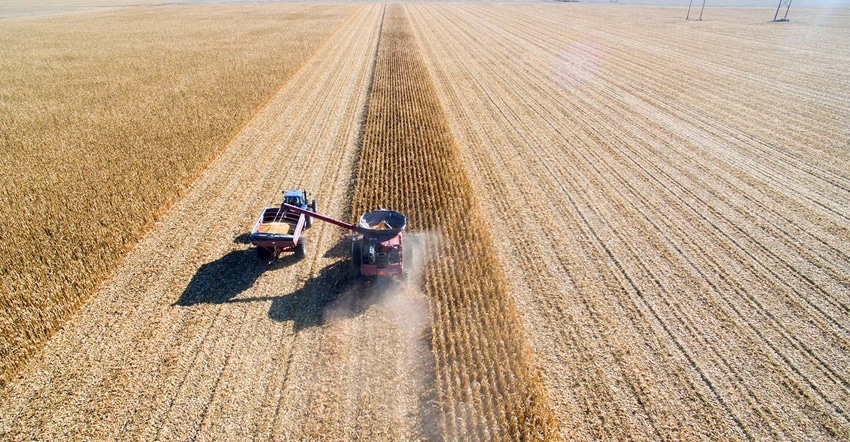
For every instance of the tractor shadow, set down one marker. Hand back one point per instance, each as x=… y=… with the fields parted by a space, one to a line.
x=220 y=281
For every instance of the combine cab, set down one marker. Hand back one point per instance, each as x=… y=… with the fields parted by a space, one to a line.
x=378 y=249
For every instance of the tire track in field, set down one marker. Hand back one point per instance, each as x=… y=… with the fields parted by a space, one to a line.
x=649 y=79
x=824 y=366
x=709 y=86
x=637 y=72
x=812 y=288
x=815 y=288
x=614 y=426
x=599 y=407
x=705 y=91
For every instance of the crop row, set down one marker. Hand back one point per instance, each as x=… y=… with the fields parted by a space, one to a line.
x=701 y=264
x=487 y=384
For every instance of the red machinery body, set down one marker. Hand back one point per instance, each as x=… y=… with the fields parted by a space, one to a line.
x=375 y=257
x=277 y=231
x=378 y=250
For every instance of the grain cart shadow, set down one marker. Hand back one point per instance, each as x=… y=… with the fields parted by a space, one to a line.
x=222 y=280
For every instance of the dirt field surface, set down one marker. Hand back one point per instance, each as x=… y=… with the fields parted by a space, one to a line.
x=663 y=206
x=672 y=202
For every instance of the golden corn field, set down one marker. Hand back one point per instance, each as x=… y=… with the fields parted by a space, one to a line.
x=621 y=224
x=95 y=147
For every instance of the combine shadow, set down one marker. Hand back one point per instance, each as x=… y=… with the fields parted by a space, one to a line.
x=306 y=306
x=335 y=289
x=335 y=294
x=221 y=280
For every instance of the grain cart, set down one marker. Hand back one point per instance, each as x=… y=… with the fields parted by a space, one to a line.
x=378 y=249
x=279 y=230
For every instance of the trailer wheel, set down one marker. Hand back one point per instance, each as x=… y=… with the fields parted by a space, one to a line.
x=301 y=248
x=263 y=253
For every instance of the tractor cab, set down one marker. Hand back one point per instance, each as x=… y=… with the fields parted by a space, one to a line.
x=298 y=198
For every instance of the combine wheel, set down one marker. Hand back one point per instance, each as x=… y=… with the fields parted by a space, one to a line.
x=263 y=253
x=356 y=257
x=301 y=248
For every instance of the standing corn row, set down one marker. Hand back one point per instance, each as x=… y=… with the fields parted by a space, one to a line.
x=487 y=386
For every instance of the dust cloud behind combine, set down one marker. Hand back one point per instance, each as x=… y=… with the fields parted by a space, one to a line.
x=398 y=308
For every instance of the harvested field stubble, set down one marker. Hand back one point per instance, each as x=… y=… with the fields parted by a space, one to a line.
x=487 y=384
x=683 y=267
x=106 y=118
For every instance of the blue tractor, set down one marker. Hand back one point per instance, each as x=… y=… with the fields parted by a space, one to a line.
x=298 y=198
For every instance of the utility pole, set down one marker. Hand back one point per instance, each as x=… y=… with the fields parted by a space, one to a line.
x=787 y=4
x=688 y=17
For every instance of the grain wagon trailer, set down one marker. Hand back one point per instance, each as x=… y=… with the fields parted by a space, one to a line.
x=280 y=230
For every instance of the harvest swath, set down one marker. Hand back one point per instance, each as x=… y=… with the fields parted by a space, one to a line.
x=637 y=228
x=487 y=387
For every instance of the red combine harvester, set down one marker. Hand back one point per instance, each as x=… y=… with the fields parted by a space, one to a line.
x=378 y=249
